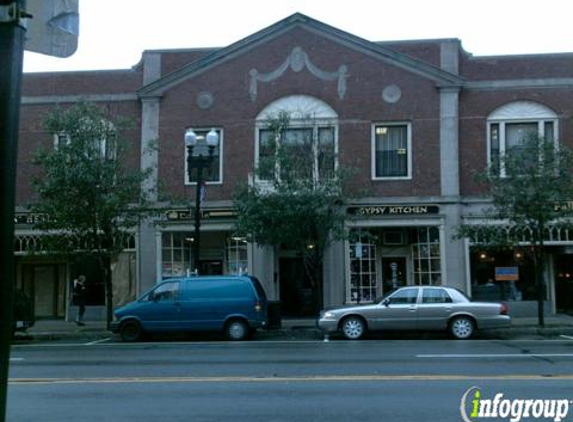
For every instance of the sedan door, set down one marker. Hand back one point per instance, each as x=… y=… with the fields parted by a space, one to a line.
x=397 y=312
x=434 y=309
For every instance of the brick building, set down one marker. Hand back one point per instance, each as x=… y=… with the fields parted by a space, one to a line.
x=416 y=118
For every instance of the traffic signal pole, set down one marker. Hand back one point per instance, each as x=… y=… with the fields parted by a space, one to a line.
x=11 y=57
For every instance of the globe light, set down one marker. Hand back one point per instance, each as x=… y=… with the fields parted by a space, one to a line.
x=190 y=138
x=212 y=138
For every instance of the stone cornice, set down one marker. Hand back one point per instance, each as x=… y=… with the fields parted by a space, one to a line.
x=520 y=84
x=58 y=99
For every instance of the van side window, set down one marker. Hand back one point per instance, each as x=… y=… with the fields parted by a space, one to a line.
x=166 y=292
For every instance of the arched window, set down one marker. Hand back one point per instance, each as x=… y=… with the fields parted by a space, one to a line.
x=312 y=135
x=511 y=125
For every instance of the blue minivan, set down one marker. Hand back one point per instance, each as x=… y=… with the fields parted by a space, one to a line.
x=234 y=305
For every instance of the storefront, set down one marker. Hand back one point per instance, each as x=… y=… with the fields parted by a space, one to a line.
x=391 y=246
x=48 y=279
x=508 y=274
x=221 y=251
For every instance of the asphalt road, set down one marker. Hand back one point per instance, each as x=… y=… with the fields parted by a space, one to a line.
x=377 y=380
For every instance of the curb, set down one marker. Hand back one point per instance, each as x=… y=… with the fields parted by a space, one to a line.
x=307 y=334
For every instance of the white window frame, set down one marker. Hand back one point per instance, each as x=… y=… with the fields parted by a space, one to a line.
x=515 y=113
x=315 y=125
x=235 y=247
x=371 y=274
x=408 y=125
x=221 y=134
x=103 y=146
x=304 y=111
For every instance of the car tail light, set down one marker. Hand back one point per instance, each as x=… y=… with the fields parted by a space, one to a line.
x=503 y=310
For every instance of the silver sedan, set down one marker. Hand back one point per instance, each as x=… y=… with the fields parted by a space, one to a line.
x=424 y=308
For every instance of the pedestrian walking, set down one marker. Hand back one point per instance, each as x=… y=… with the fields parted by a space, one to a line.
x=80 y=298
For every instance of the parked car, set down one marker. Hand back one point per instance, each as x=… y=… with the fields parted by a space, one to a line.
x=23 y=316
x=234 y=305
x=424 y=308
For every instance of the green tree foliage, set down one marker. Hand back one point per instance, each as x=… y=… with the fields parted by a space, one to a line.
x=296 y=198
x=87 y=197
x=531 y=189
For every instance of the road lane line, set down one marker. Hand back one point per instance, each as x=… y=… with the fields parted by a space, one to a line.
x=93 y=343
x=16 y=359
x=495 y=355
x=254 y=379
x=567 y=337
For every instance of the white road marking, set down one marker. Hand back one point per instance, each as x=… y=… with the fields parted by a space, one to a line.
x=496 y=355
x=16 y=359
x=92 y=343
x=567 y=337
x=257 y=379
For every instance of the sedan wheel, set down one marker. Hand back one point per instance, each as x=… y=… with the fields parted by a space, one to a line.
x=353 y=328
x=462 y=327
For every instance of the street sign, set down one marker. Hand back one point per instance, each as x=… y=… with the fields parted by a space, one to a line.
x=54 y=27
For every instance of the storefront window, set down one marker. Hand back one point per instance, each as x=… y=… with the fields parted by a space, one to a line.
x=502 y=275
x=426 y=256
x=363 y=286
x=237 y=256
x=176 y=254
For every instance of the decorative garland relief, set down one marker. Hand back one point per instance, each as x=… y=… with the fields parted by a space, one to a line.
x=297 y=61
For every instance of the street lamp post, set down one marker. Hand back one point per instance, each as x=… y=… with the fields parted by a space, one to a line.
x=199 y=161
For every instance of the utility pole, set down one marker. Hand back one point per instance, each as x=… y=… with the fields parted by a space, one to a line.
x=53 y=32
x=12 y=34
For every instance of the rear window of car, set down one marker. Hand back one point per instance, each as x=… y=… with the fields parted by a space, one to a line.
x=432 y=295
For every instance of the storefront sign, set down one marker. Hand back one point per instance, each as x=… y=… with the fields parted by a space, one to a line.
x=176 y=215
x=372 y=211
x=28 y=218
x=506 y=274
x=564 y=206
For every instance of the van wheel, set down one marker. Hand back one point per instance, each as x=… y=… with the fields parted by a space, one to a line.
x=236 y=330
x=131 y=331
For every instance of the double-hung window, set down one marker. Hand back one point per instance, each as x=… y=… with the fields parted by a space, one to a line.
x=391 y=151
x=310 y=151
x=213 y=172
x=97 y=139
x=512 y=127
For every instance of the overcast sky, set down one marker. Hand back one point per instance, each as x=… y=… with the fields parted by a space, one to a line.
x=114 y=33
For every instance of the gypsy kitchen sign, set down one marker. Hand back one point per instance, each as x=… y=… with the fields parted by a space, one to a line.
x=383 y=210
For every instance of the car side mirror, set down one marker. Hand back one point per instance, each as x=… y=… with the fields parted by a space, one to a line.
x=386 y=302
x=152 y=297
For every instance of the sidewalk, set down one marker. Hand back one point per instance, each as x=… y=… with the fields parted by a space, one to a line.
x=296 y=329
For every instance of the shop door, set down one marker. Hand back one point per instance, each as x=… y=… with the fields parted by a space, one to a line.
x=564 y=283
x=211 y=267
x=297 y=295
x=46 y=291
x=394 y=273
